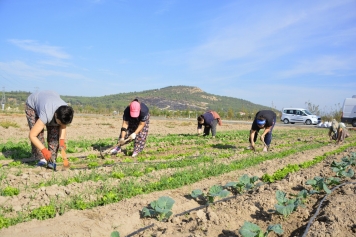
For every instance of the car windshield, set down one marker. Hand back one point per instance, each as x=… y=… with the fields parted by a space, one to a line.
x=307 y=112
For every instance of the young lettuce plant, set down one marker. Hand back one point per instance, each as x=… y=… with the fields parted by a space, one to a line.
x=161 y=209
x=252 y=230
x=214 y=191
x=9 y=191
x=245 y=183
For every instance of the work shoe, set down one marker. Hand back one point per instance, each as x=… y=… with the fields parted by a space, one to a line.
x=115 y=150
x=42 y=163
x=134 y=154
x=52 y=166
x=265 y=149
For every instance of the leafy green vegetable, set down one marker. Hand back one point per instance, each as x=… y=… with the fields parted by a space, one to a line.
x=319 y=184
x=109 y=197
x=10 y=191
x=4 y=222
x=302 y=195
x=92 y=156
x=351 y=160
x=252 y=230
x=286 y=206
x=340 y=168
x=245 y=183
x=214 y=191
x=43 y=212
x=14 y=163
x=161 y=209
x=93 y=164
x=117 y=175
x=115 y=234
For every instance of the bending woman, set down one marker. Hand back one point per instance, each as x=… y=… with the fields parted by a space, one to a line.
x=134 y=127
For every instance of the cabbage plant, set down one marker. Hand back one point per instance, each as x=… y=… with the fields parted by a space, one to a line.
x=252 y=230
x=161 y=209
x=214 y=191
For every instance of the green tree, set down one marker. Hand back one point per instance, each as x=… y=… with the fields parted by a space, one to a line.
x=230 y=114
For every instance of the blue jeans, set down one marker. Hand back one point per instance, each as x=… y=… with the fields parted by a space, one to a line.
x=268 y=136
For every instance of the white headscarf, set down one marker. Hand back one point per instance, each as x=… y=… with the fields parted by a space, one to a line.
x=334 y=125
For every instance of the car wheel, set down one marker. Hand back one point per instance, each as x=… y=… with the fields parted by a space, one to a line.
x=354 y=123
x=308 y=122
x=285 y=121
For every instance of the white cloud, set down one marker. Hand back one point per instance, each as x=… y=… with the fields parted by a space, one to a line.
x=287 y=30
x=27 y=72
x=324 y=65
x=56 y=63
x=34 y=46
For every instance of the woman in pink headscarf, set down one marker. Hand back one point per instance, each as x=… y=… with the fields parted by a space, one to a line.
x=134 y=127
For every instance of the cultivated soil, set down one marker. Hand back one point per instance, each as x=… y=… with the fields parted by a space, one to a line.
x=336 y=216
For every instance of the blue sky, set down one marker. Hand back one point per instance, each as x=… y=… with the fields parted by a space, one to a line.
x=280 y=53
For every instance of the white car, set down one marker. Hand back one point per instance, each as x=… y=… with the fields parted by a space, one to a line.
x=299 y=115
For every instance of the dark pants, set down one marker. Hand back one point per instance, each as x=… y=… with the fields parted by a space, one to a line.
x=268 y=136
x=52 y=135
x=212 y=128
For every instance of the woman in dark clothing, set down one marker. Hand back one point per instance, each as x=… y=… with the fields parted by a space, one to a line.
x=209 y=120
x=264 y=119
x=135 y=126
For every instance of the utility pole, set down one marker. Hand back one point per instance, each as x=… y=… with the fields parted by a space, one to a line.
x=3 y=98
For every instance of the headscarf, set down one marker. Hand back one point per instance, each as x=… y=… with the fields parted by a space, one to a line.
x=260 y=122
x=334 y=126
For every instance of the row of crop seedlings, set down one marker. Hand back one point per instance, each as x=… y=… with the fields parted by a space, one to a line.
x=22 y=149
x=141 y=169
x=176 y=164
x=155 y=155
x=111 y=196
x=183 y=163
x=161 y=209
x=93 y=160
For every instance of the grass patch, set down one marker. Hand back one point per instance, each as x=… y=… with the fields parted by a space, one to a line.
x=7 y=124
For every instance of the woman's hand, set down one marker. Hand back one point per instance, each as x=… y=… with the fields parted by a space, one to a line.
x=132 y=136
x=62 y=144
x=46 y=154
